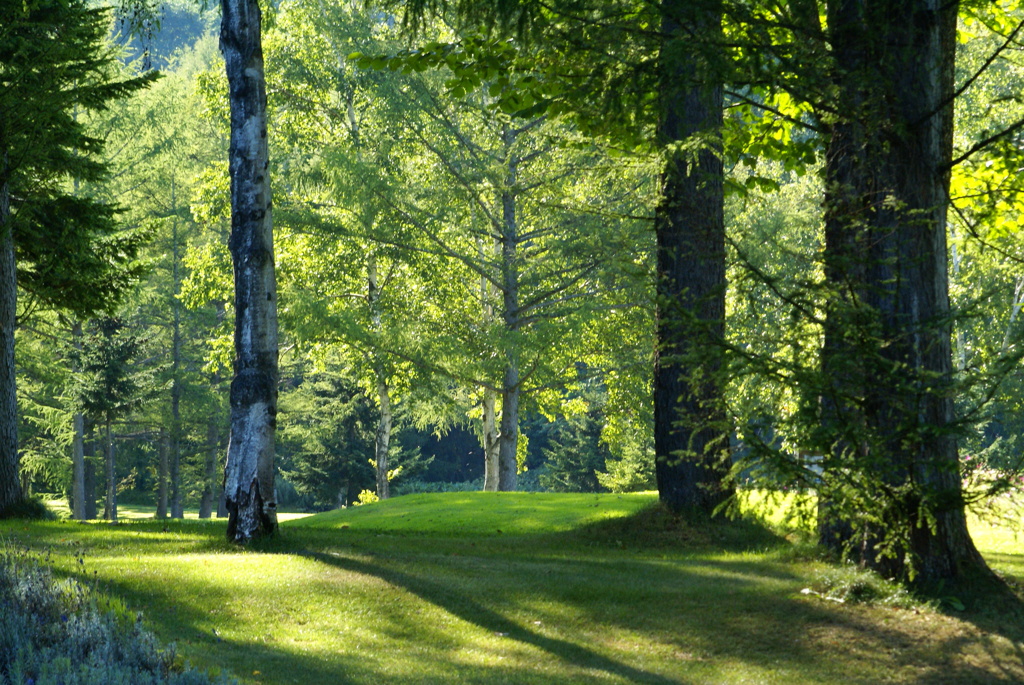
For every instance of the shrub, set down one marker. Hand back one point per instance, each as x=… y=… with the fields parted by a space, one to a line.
x=52 y=631
x=28 y=508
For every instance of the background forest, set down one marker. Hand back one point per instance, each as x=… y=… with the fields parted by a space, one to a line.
x=389 y=273
x=460 y=266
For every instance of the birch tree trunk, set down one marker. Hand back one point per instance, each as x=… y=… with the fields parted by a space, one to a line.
x=249 y=472
x=78 y=509
x=10 y=487
x=690 y=436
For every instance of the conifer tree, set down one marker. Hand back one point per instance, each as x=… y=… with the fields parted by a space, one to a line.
x=62 y=250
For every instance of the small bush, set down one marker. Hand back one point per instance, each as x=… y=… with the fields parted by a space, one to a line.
x=367 y=497
x=51 y=631
x=28 y=508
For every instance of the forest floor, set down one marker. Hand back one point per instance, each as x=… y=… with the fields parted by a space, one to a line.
x=534 y=588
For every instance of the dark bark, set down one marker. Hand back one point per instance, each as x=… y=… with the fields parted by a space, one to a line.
x=249 y=472
x=10 y=483
x=887 y=354
x=690 y=430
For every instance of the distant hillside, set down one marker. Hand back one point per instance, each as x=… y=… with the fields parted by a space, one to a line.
x=181 y=24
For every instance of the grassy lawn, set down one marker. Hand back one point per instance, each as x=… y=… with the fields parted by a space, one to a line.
x=525 y=588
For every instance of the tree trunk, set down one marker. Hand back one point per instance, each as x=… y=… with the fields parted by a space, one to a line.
x=78 y=467
x=177 y=511
x=206 y=501
x=508 y=439
x=489 y=425
x=691 y=434
x=110 y=508
x=382 y=444
x=10 y=483
x=383 y=440
x=90 y=470
x=161 y=476
x=249 y=472
x=887 y=172
x=490 y=441
x=78 y=510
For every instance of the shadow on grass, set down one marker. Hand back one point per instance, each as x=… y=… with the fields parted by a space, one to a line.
x=479 y=615
x=656 y=528
x=722 y=609
x=995 y=606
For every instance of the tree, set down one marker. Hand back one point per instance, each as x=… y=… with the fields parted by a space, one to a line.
x=54 y=67
x=498 y=269
x=249 y=473
x=675 y=109
x=691 y=436
x=887 y=337
x=108 y=386
x=330 y=437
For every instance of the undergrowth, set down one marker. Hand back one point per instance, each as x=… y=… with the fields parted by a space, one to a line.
x=52 y=631
x=849 y=584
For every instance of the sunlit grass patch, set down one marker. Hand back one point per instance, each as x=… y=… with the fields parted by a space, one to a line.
x=575 y=588
x=462 y=514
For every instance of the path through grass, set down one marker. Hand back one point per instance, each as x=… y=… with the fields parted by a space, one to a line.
x=522 y=588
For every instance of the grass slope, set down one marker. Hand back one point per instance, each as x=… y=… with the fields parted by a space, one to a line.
x=523 y=588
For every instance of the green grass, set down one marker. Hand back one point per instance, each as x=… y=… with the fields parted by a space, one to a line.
x=525 y=588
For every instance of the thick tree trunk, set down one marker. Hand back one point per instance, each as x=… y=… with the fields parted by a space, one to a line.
x=208 y=498
x=887 y=170
x=161 y=476
x=249 y=472
x=78 y=510
x=10 y=483
x=690 y=430
x=110 y=508
x=490 y=440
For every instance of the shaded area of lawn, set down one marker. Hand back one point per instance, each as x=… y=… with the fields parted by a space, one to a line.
x=611 y=591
